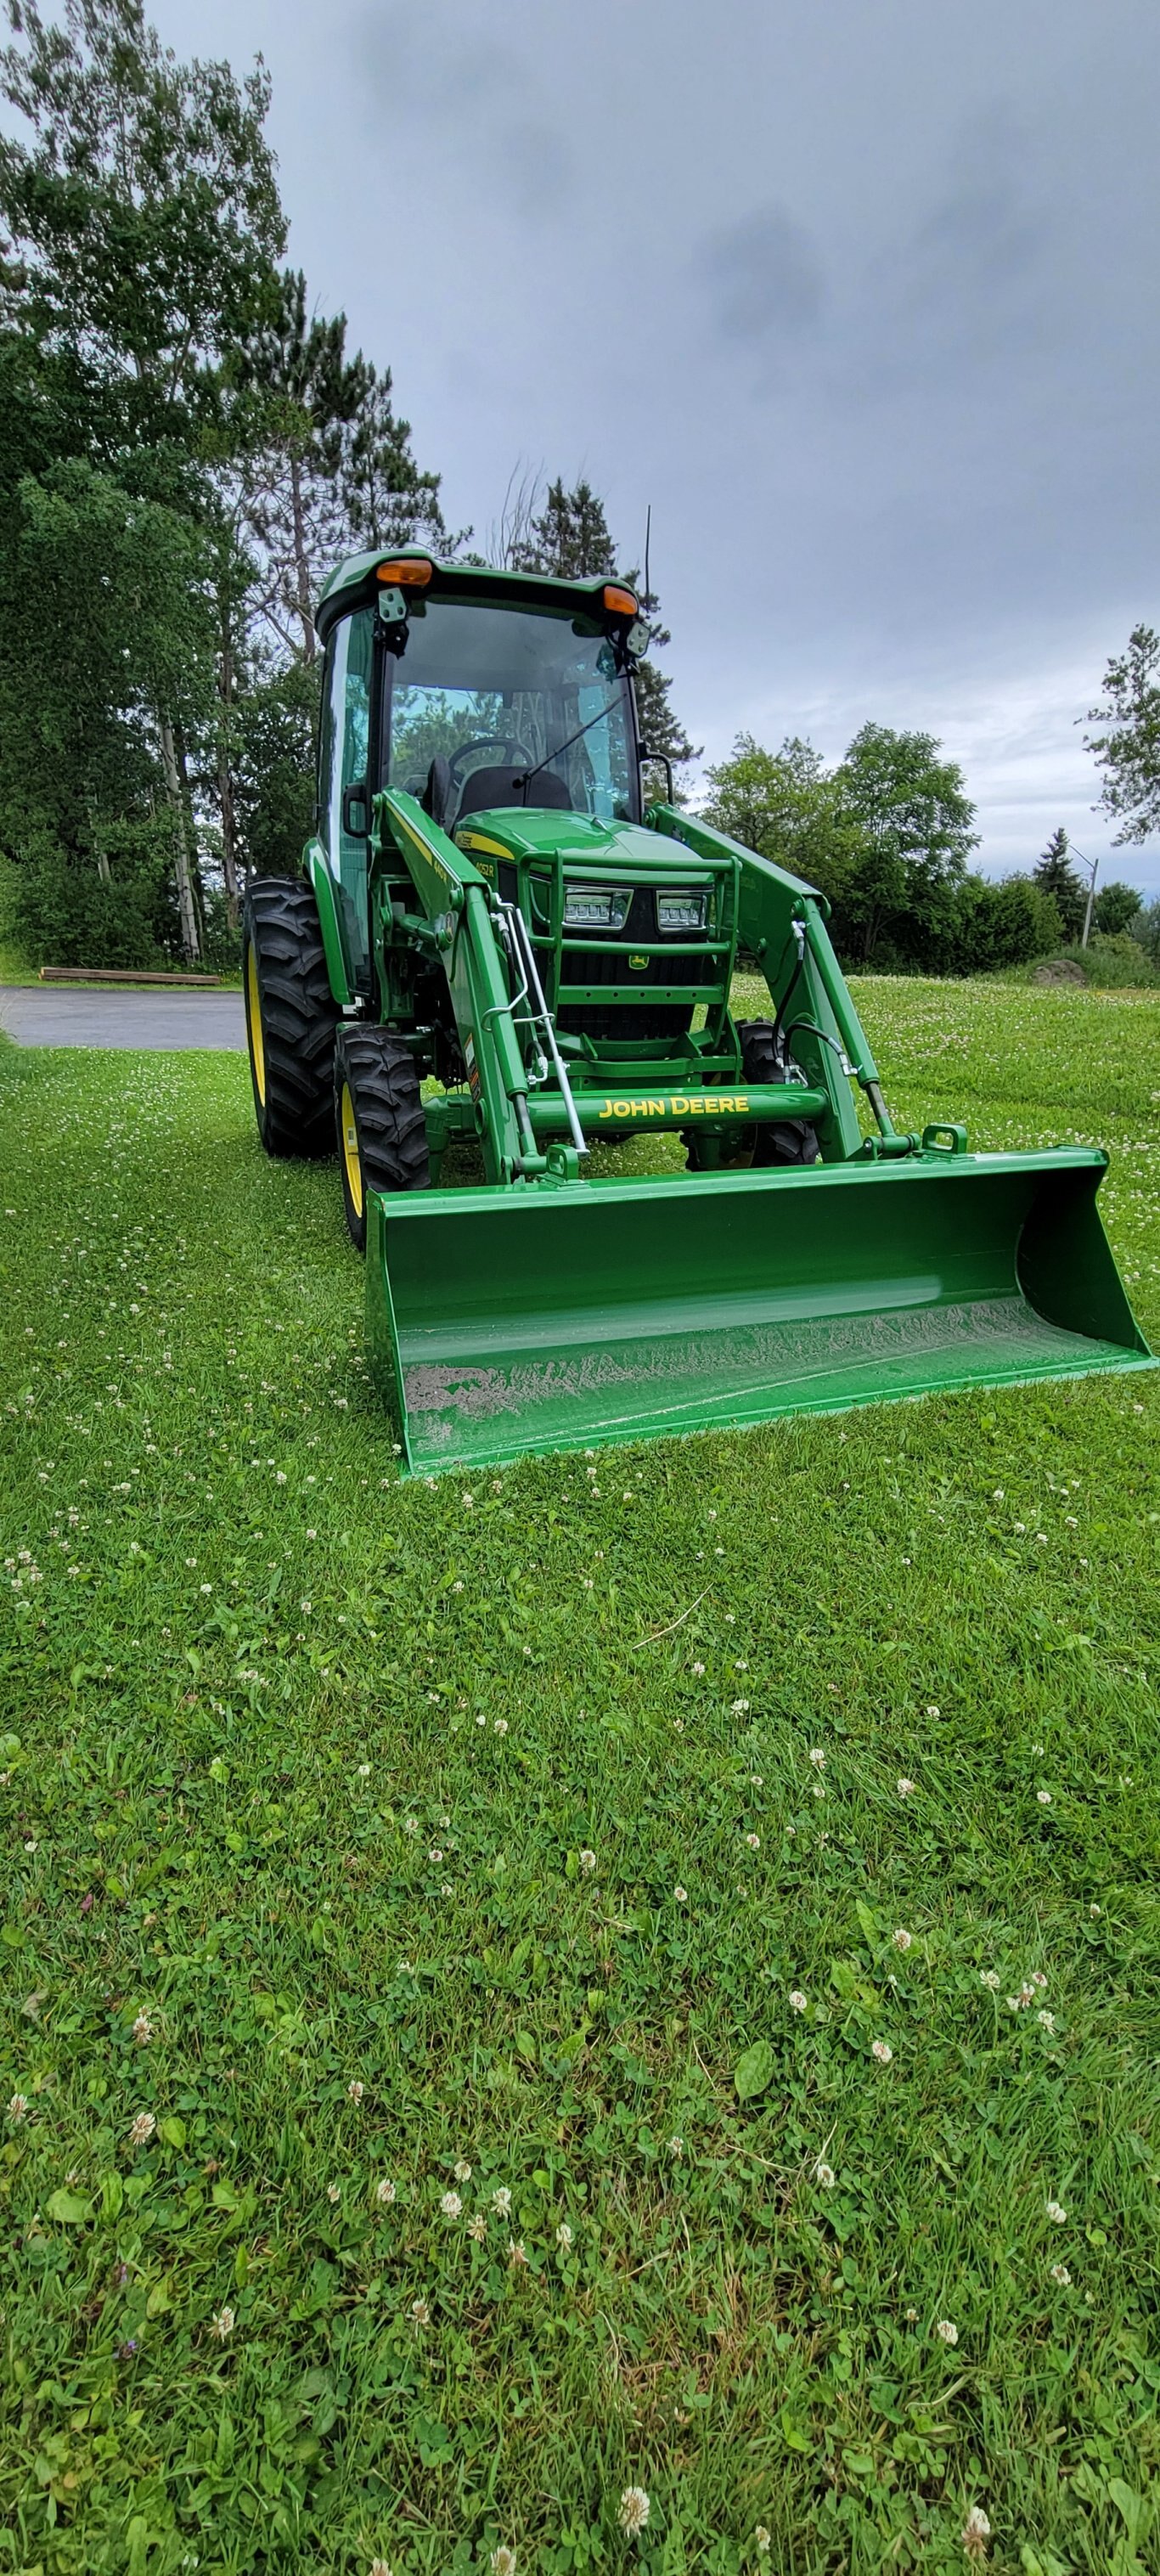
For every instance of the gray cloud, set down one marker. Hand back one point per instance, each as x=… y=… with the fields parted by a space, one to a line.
x=473 y=91
x=861 y=300
x=763 y=279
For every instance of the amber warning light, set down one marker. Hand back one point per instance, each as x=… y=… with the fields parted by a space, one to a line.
x=619 y=603
x=412 y=572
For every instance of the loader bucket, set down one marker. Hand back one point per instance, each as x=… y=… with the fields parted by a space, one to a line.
x=502 y=1321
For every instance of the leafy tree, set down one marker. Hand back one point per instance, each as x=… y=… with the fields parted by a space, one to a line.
x=1116 y=907
x=143 y=207
x=1056 y=876
x=1146 y=929
x=1127 y=747
x=788 y=807
x=274 y=767
x=140 y=223
x=914 y=821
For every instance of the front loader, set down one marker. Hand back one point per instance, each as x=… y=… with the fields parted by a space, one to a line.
x=498 y=945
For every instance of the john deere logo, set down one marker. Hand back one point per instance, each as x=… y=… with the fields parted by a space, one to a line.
x=639 y=962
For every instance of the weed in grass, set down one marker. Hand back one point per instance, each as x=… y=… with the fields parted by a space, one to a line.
x=445 y=2042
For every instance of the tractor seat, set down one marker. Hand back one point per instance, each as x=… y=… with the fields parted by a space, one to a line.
x=486 y=788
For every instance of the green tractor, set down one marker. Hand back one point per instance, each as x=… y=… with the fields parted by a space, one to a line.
x=498 y=942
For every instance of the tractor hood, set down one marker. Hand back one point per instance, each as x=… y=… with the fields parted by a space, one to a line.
x=513 y=832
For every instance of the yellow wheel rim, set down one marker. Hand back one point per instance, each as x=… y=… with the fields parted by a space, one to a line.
x=254 y=1025
x=350 y=1156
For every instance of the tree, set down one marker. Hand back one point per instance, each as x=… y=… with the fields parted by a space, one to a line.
x=140 y=221
x=1127 y=748
x=1116 y=907
x=914 y=822
x=786 y=806
x=570 y=537
x=1055 y=875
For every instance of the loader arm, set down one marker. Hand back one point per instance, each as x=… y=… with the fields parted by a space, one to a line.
x=771 y=905
x=453 y=921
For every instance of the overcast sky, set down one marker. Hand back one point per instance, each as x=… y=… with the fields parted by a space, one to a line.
x=861 y=295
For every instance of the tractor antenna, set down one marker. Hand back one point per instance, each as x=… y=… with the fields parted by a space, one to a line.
x=647 y=535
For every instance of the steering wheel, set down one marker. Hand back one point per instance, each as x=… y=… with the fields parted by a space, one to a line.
x=488 y=742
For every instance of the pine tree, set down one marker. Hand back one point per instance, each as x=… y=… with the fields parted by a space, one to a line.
x=1056 y=876
x=572 y=539
x=385 y=499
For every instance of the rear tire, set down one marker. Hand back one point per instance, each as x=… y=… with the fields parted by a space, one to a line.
x=378 y=1121
x=778 y=1141
x=291 y=1017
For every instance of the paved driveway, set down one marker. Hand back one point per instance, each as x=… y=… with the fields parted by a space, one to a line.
x=92 y=1016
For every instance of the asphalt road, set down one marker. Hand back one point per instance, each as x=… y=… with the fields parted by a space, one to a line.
x=92 y=1016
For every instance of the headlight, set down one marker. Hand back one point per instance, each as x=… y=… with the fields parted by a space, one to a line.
x=682 y=911
x=596 y=908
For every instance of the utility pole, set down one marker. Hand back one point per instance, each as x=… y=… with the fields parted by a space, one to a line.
x=1093 y=866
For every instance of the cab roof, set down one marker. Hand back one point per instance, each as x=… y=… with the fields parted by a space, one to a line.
x=352 y=584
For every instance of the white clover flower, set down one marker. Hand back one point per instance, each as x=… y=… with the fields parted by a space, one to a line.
x=902 y=1939
x=989 y=1977
x=1046 y=2021
x=516 y=2253
x=681 y=1894
x=933 y=1711
x=333 y=2194
x=817 y=1757
x=463 y=2170
x=355 y=2090
x=564 y=2237
x=223 y=2324
x=451 y=2205
x=435 y=1854
x=503 y=2561
x=501 y=1725
x=797 y=2001
x=697 y=1668
x=477 y=2227
x=587 y=1863
x=634 y=2511
x=1043 y=1797
x=379 y=2567
x=1095 y=1912
x=1056 y=2213
x=676 y=2148
x=761 y=2540
x=975 y=2534
x=420 y=2312
x=819 y=1788
x=753 y=1842
x=906 y=1788
x=142 y=2129
x=1061 y=2276
x=946 y=2332
x=824 y=2174
x=740 y=1708
x=501 y=2201
x=882 y=2050
x=364 y=1768
x=142 y=2030
x=385 y=2193
x=410 y=1824
x=17 y=2108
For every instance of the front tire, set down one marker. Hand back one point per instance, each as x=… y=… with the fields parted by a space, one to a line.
x=379 y=1123
x=291 y=1017
x=778 y=1141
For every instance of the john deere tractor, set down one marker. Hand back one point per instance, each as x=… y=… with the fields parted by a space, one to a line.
x=497 y=940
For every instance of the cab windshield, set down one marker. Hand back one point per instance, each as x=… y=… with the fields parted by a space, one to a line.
x=496 y=692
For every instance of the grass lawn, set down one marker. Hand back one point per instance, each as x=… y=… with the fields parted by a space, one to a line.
x=447 y=1933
